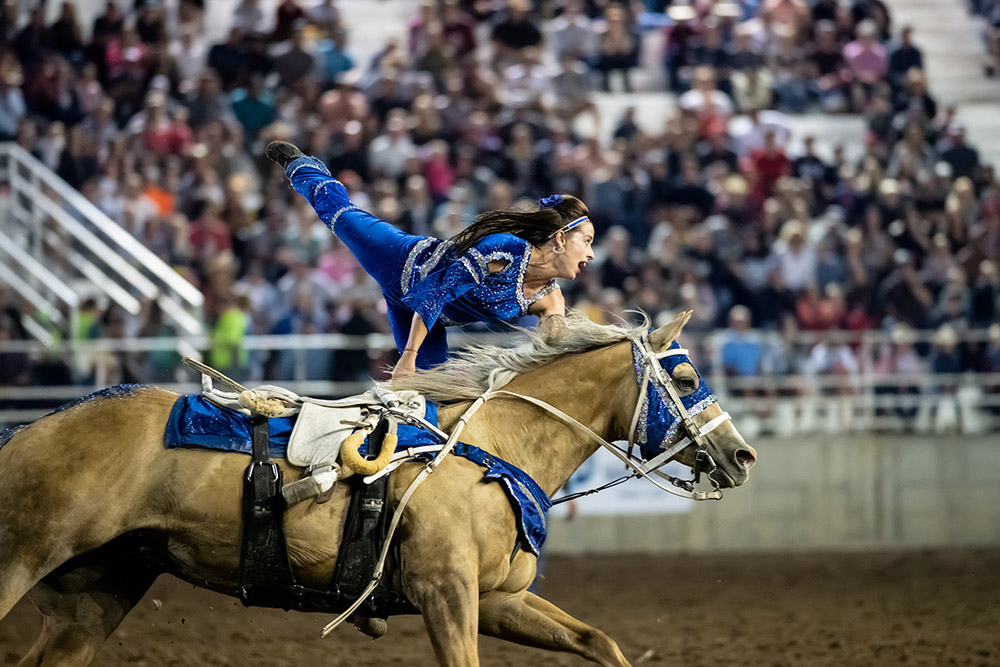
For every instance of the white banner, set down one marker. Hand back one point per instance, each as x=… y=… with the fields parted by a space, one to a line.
x=636 y=496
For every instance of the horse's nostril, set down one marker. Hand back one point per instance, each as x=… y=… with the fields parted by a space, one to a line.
x=745 y=458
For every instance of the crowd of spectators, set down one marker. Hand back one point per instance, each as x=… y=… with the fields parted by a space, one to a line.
x=988 y=13
x=478 y=108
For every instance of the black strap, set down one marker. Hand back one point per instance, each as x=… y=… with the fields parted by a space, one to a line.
x=265 y=574
x=365 y=530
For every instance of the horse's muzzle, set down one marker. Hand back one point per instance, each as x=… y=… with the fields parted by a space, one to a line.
x=734 y=470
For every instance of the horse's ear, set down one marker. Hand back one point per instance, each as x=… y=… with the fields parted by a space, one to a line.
x=662 y=337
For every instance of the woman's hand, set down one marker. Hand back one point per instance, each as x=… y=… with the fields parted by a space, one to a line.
x=406 y=366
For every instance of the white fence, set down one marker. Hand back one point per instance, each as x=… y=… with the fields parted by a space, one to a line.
x=863 y=399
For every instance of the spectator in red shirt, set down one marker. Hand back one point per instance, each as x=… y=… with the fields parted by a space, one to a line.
x=459 y=29
x=766 y=165
x=208 y=235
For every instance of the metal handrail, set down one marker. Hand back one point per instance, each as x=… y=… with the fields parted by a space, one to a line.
x=119 y=259
x=129 y=244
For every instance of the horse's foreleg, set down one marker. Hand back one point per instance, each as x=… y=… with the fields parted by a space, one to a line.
x=448 y=606
x=82 y=604
x=525 y=618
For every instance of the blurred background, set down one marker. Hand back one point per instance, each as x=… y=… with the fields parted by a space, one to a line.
x=814 y=178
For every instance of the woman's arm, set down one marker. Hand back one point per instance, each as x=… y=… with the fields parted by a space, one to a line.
x=408 y=359
x=551 y=311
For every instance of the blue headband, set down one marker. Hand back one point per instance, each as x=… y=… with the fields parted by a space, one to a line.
x=570 y=225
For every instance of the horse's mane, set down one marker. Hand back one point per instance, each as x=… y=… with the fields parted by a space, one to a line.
x=467 y=373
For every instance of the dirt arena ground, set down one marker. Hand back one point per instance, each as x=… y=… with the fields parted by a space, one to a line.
x=849 y=610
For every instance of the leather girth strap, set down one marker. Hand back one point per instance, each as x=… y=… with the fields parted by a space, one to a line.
x=265 y=574
x=364 y=537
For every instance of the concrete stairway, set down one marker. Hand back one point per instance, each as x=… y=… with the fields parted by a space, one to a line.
x=954 y=56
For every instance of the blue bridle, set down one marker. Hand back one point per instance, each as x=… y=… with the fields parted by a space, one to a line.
x=661 y=412
x=659 y=417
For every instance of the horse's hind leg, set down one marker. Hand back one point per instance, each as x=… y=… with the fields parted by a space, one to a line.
x=525 y=618
x=82 y=604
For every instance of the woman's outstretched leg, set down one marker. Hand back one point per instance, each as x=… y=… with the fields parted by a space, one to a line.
x=380 y=247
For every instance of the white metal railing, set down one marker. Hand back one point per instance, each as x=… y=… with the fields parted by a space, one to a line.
x=101 y=253
x=863 y=401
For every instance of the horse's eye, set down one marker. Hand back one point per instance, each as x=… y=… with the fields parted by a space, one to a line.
x=687 y=383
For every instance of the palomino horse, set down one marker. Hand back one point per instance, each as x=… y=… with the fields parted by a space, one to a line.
x=87 y=493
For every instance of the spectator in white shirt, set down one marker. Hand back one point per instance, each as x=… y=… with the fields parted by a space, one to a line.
x=389 y=152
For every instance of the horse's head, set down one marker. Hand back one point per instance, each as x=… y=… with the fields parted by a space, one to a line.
x=679 y=418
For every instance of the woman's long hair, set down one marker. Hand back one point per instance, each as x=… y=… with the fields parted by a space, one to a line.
x=536 y=227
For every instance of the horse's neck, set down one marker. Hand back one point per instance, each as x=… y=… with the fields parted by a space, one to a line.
x=592 y=388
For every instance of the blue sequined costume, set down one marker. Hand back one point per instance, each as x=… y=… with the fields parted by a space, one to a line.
x=420 y=273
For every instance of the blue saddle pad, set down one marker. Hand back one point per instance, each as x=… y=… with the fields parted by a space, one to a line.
x=195 y=422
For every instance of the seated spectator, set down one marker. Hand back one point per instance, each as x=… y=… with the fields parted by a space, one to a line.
x=752 y=89
x=709 y=50
x=741 y=350
x=78 y=162
x=985 y=298
x=572 y=33
x=438 y=56
x=288 y=17
x=325 y=16
x=296 y=63
x=743 y=56
x=617 y=47
x=904 y=57
x=459 y=29
x=716 y=149
x=898 y=372
x=789 y=73
x=254 y=108
x=679 y=39
x=12 y=106
x=388 y=152
x=914 y=96
x=816 y=311
x=962 y=158
x=790 y=13
x=689 y=188
x=795 y=257
x=903 y=295
x=65 y=35
x=617 y=263
x=867 y=63
x=826 y=60
x=248 y=17
x=764 y=166
x=334 y=58
x=709 y=105
x=514 y=32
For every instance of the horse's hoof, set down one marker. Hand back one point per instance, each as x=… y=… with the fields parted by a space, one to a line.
x=373 y=627
x=282 y=153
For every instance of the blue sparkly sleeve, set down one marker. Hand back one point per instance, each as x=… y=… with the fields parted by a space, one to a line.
x=429 y=294
x=498 y=247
